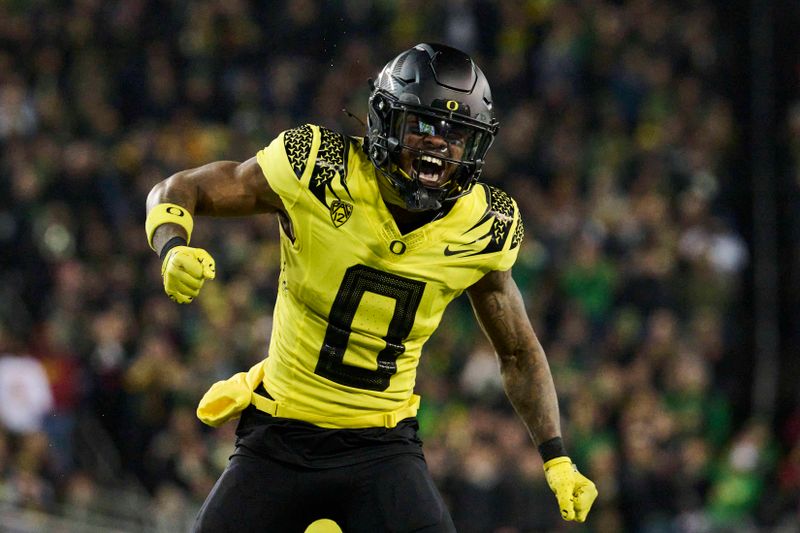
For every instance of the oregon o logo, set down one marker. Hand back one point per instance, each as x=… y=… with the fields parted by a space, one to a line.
x=397 y=247
x=452 y=105
x=177 y=211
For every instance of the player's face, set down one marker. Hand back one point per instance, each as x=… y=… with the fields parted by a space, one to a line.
x=437 y=138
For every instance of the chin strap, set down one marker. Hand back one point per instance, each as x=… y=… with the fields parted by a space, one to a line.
x=409 y=193
x=423 y=199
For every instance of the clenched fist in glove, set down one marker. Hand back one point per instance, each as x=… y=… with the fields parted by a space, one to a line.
x=184 y=271
x=575 y=493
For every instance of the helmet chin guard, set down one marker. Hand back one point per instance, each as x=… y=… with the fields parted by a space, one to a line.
x=435 y=90
x=410 y=194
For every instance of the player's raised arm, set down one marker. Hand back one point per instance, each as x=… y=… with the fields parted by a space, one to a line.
x=223 y=188
x=529 y=386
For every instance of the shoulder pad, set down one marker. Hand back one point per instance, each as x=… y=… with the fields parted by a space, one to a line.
x=297 y=143
x=502 y=211
x=331 y=162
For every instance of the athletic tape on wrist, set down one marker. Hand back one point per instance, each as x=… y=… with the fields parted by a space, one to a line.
x=552 y=448
x=168 y=214
x=172 y=243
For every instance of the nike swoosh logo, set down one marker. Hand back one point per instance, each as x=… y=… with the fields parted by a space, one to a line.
x=449 y=252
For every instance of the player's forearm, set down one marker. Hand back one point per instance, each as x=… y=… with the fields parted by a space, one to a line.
x=529 y=386
x=526 y=374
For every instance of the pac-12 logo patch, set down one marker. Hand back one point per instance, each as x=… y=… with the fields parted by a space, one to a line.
x=340 y=212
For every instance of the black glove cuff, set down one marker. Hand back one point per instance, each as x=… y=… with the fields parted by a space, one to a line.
x=172 y=243
x=552 y=448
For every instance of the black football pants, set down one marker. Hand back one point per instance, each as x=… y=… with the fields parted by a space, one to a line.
x=257 y=494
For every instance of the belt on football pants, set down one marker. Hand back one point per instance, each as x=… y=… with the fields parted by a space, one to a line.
x=387 y=420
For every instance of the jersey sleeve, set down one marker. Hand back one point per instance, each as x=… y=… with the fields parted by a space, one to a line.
x=288 y=160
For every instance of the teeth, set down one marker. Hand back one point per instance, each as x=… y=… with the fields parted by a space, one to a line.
x=436 y=161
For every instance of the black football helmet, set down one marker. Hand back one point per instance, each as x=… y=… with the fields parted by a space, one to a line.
x=431 y=89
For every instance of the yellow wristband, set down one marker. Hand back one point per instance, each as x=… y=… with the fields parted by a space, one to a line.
x=168 y=214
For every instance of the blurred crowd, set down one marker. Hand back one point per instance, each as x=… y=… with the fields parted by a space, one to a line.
x=617 y=140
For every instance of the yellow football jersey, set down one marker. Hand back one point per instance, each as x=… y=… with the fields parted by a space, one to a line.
x=357 y=299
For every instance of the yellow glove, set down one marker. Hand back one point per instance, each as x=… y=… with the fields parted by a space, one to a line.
x=575 y=493
x=184 y=270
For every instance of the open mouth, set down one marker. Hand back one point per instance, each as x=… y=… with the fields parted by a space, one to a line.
x=428 y=170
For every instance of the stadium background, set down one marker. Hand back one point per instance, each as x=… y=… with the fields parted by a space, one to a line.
x=652 y=146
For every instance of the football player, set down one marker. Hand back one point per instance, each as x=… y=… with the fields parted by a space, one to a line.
x=378 y=234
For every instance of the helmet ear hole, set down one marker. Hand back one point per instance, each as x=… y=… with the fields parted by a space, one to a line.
x=381 y=106
x=378 y=155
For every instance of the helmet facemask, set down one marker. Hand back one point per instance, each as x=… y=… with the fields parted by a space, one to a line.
x=438 y=143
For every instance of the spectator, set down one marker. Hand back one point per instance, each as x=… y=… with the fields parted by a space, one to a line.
x=25 y=396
